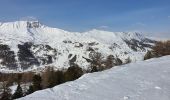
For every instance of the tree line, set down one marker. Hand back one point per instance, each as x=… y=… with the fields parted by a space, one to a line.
x=161 y=48
x=50 y=77
x=47 y=79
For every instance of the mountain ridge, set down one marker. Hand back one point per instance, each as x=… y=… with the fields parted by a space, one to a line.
x=48 y=45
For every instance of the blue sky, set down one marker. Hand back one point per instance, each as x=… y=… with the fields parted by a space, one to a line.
x=150 y=16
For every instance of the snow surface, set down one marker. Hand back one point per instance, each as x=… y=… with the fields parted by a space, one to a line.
x=13 y=88
x=143 y=80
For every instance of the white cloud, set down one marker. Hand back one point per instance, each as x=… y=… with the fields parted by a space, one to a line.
x=104 y=27
x=28 y=18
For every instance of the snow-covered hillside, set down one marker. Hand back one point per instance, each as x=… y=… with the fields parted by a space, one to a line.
x=143 y=80
x=30 y=45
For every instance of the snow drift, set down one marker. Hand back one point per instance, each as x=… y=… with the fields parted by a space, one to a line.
x=143 y=80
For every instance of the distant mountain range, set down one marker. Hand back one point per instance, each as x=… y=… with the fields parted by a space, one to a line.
x=30 y=45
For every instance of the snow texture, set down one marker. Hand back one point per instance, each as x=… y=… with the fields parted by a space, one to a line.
x=143 y=80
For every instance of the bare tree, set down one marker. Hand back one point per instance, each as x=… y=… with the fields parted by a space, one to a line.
x=5 y=91
x=96 y=61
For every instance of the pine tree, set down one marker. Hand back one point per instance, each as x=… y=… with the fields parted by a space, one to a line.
x=5 y=91
x=18 y=93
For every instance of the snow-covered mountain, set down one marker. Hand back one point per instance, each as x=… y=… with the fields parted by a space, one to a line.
x=29 y=45
x=143 y=80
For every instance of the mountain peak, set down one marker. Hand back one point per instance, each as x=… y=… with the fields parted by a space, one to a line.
x=21 y=24
x=33 y=24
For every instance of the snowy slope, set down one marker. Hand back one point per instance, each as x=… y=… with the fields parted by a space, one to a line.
x=143 y=80
x=53 y=46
